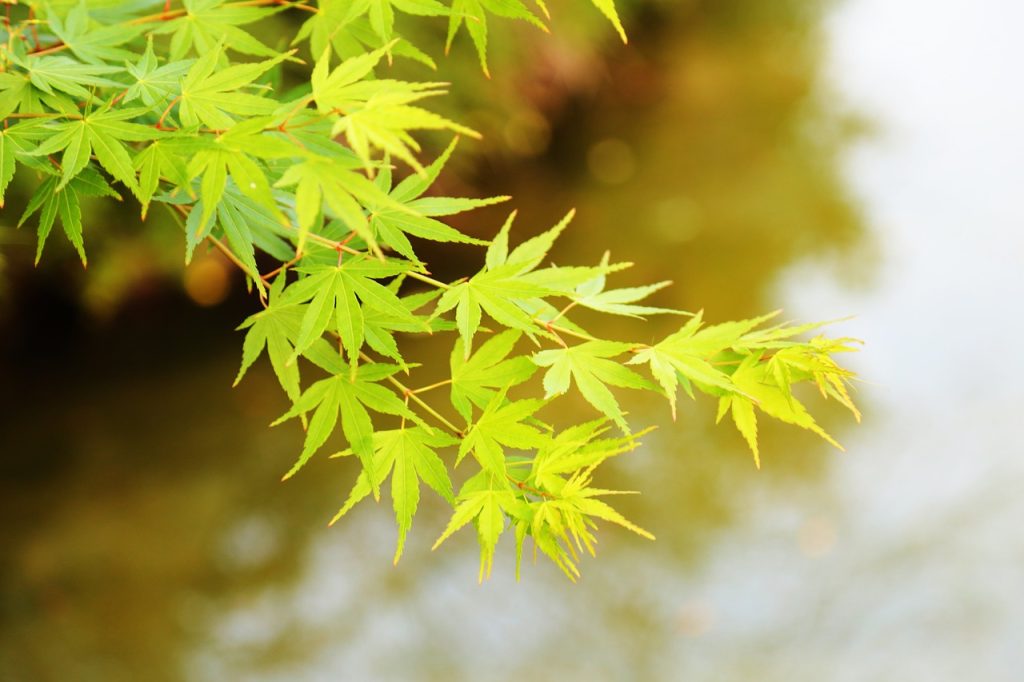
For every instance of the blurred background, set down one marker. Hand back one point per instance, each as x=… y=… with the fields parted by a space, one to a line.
x=861 y=158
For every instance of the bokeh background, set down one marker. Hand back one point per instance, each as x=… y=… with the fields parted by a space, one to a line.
x=862 y=157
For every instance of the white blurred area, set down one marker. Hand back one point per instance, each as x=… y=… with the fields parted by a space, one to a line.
x=924 y=583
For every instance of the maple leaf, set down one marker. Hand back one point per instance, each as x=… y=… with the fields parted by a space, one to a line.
x=213 y=96
x=347 y=395
x=93 y=44
x=475 y=380
x=685 y=355
x=64 y=203
x=574 y=449
x=155 y=85
x=207 y=24
x=336 y=296
x=409 y=456
x=16 y=145
x=332 y=180
x=53 y=74
x=502 y=424
x=379 y=326
x=589 y=367
x=474 y=14
x=484 y=500
x=376 y=113
x=592 y=294
x=275 y=329
x=759 y=389
x=509 y=285
x=102 y=133
x=391 y=225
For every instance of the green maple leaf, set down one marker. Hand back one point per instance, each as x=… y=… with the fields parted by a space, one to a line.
x=686 y=354
x=345 y=191
x=502 y=424
x=93 y=44
x=380 y=15
x=487 y=509
x=592 y=294
x=53 y=201
x=336 y=296
x=16 y=145
x=379 y=326
x=589 y=367
x=155 y=84
x=760 y=389
x=18 y=95
x=473 y=13
x=213 y=96
x=165 y=158
x=347 y=395
x=812 y=361
x=509 y=288
x=376 y=113
x=102 y=133
x=230 y=155
x=329 y=28
x=391 y=225
x=274 y=329
x=354 y=27
x=52 y=74
x=476 y=380
x=409 y=456
x=215 y=166
x=575 y=449
x=561 y=520
x=207 y=24
x=569 y=517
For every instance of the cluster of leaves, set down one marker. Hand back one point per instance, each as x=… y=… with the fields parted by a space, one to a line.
x=183 y=107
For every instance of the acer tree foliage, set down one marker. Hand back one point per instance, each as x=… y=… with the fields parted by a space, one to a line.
x=178 y=107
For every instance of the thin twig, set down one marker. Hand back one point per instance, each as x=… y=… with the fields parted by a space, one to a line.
x=431 y=387
x=409 y=393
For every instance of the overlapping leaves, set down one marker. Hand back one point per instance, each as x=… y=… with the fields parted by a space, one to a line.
x=320 y=195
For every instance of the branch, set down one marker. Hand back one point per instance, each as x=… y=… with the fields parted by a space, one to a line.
x=411 y=394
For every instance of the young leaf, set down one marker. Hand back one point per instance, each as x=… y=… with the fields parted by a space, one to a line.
x=487 y=508
x=154 y=84
x=753 y=378
x=502 y=424
x=409 y=455
x=508 y=286
x=391 y=225
x=320 y=180
x=347 y=396
x=337 y=294
x=591 y=294
x=376 y=113
x=64 y=203
x=93 y=44
x=209 y=95
x=477 y=379
x=207 y=24
x=589 y=367
x=686 y=353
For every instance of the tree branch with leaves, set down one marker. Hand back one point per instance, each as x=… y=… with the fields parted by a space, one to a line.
x=175 y=104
